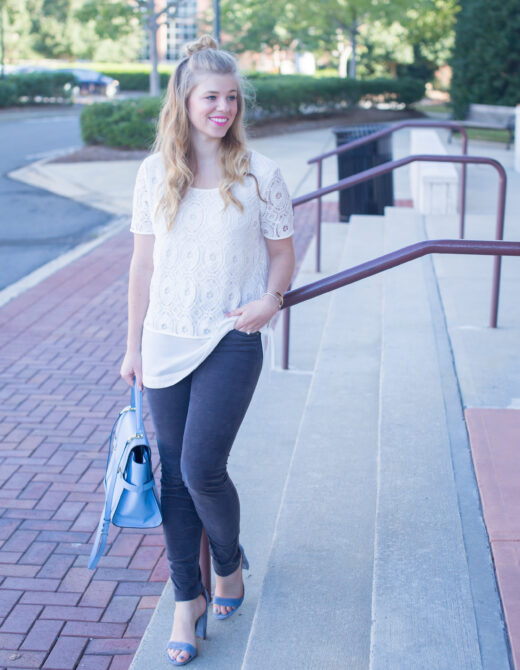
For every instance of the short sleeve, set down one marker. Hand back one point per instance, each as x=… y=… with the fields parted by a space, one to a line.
x=276 y=214
x=141 y=218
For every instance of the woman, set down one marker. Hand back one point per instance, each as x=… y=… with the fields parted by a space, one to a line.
x=212 y=257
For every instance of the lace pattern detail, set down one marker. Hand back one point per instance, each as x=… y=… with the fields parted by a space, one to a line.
x=141 y=215
x=213 y=260
x=277 y=213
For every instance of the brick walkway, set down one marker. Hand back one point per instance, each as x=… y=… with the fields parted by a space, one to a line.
x=495 y=436
x=62 y=343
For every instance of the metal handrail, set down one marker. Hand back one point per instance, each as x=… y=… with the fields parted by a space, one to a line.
x=391 y=260
x=348 y=182
x=453 y=125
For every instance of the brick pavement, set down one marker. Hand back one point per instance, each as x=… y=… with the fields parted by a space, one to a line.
x=62 y=343
x=494 y=437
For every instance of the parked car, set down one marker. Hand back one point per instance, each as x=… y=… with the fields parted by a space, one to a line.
x=90 y=81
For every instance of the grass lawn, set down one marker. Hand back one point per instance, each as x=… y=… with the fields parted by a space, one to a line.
x=490 y=135
x=487 y=135
x=435 y=108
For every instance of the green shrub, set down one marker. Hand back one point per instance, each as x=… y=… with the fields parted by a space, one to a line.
x=8 y=92
x=136 y=81
x=404 y=91
x=36 y=88
x=290 y=95
x=44 y=85
x=132 y=123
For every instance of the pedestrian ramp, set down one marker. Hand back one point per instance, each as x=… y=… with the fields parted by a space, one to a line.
x=360 y=514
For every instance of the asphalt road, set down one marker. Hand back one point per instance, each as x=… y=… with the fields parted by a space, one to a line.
x=37 y=226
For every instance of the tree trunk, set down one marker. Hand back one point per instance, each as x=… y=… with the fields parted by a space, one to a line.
x=216 y=20
x=344 y=54
x=352 y=66
x=151 y=25
x=2 y=49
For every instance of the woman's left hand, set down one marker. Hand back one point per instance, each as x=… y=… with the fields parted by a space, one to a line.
x=254 y=315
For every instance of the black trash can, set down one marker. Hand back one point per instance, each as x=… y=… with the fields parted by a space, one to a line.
x=371 y=196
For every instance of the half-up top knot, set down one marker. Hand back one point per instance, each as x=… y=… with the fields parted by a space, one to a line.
x=204 y=42
x=174 y=136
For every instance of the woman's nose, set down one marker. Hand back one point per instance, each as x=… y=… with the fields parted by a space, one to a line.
x=223 y=105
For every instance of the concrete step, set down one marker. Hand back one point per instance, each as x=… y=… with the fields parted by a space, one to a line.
x=315 y=603
x=259 y=464
x=360 y=512
x=488 y=364
x=435 y=604
x=400 y=213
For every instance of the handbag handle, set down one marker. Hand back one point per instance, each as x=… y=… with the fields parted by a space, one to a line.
x=136 y=401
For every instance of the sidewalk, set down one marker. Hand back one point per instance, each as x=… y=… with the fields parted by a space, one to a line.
x=62 y=344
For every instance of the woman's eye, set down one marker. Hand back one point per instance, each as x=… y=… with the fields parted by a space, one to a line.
x=214 y=97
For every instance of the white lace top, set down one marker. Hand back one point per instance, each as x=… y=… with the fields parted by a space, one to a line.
x=212 y=261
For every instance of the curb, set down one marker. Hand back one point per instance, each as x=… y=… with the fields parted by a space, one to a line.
x=37 y=174
x=102 y=234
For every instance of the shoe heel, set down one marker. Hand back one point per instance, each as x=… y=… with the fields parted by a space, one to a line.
x=201 y=625
x=202 y=621
x=245 y=562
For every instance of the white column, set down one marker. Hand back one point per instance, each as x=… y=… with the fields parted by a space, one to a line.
x=517 y=138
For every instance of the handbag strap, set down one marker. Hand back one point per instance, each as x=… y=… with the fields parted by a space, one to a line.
x=136 y=400
x=104 y=522
x=103 y=528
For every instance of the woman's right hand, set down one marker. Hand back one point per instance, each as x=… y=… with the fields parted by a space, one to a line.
x=131 y=368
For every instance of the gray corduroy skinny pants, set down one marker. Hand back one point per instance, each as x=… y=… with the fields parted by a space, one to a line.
x=196 y=421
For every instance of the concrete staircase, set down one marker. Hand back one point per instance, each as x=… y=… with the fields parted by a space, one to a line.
x=360 y=514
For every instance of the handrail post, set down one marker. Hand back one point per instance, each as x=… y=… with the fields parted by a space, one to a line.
x=286 y=324
x=452 y=125
x=318 y=219
x=378 y=170
x=462 y=198
x=499 y=235
x=387 y=167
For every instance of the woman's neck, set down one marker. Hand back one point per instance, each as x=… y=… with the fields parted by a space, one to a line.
x=207 y=170
x=205 y=149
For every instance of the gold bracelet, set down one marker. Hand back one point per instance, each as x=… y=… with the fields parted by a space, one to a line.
x=277 y=296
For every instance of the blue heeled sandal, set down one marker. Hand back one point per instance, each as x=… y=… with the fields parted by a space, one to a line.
x=200 y=631
x=232 y=602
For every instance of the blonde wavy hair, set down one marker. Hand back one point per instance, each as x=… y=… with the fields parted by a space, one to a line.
x=173 y=128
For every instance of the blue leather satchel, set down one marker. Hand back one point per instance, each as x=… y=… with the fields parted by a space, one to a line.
x=131 y=499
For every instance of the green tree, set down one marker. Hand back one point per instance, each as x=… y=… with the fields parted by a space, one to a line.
x=121 y=40
x=382 y=32
x=114 y=19
x=486 y=59
x=381 y=48
x=416 y=45
x=53 y=28
x=339 y=23
x=429 y=26
x=16 y=28
x=389 y=29
x=252 y=25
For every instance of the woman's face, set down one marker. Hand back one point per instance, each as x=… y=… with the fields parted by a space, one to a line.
x=212 y=105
